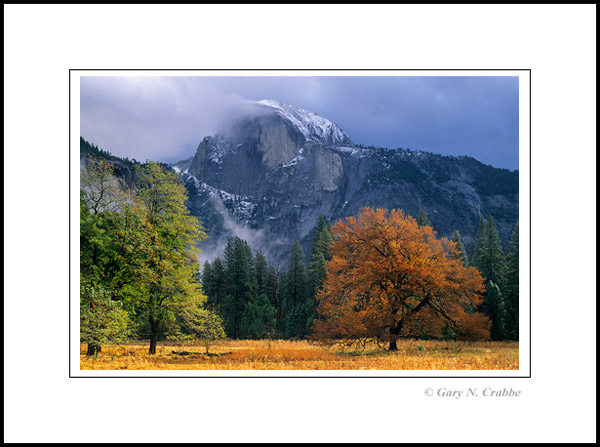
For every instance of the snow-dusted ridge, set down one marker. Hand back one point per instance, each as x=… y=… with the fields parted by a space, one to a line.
x=312 y=126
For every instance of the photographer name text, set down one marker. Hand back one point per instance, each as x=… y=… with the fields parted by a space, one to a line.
x=472 y=392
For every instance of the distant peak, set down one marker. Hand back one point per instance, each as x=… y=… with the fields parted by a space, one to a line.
x=312 y=126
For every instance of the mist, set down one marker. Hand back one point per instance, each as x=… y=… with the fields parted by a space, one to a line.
x=258 y=239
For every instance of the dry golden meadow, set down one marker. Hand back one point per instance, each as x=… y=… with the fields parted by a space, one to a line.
x=303 y=355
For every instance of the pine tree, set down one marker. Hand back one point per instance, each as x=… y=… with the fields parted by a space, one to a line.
x=493 y=306
x=295 y=288
x=261 y=270
x=272 y=291
x=477 y=248
x=258 y=321
x=295 y=291
x=298 y=321
x=320 y=253
x=512 y=284
x=218 y=284
x=422 y=218
x=489 y=260
x=206 y=278
x=322 y=239
x=460 y=246
x=281 y=311
x=317 y=272
x=240 y=285
x=488 y=256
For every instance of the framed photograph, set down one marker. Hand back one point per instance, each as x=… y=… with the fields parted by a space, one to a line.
x=300 y=223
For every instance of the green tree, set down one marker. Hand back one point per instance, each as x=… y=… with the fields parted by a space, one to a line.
x=258 y=321
x=320 y=253
x=493 y=306
x=218 y=286
x=272 y=291
x=110 y=222
x=295 y=286
x=422 y=218
x=102 y=320
x=317 y=270
x=461 y=248
x=170 y=255
x=487 y=253
x=109 y=219
x=322 y=239
x=240 y=284
x=205 y=323
x=489 y=259
x=261 y=269
x=512 y=284
x=207 y=280
x=298 y=322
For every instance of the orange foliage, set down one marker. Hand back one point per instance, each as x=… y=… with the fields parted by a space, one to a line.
x=388 y=278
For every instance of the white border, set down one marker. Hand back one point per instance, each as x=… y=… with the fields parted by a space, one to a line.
x=42 y=42
x=524 y=202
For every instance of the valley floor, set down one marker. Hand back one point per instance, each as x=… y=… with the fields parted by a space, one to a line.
x=303 y=355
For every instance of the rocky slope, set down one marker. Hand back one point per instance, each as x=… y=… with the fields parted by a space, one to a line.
x=269 y=176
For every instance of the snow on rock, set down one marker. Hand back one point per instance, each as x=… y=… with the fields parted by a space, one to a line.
x=312 y=126
x=242 y=207
x=217 y=150
x=353 y=151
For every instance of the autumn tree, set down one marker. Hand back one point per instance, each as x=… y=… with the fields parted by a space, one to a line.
x=386 y=270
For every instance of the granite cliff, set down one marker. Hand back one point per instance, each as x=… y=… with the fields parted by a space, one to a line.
x=269 y=176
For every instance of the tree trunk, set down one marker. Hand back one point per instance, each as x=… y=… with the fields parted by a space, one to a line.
x=152 y=349
x=394 y=333
x=93 y=349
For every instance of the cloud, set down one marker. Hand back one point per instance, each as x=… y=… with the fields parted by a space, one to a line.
x=165 y=118
x=153 y=118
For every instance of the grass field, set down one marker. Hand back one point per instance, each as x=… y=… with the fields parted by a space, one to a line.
x=302 y=355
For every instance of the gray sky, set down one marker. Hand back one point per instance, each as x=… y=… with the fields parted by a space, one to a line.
x=165 y=118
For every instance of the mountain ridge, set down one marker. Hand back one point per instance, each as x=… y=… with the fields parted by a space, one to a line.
x=272 y=173
x=269 y=177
